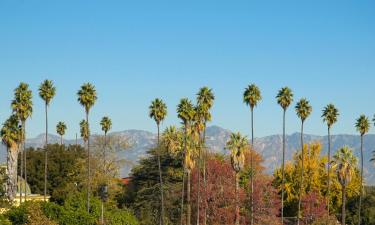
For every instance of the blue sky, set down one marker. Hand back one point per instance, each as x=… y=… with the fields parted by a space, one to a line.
x=134 y=51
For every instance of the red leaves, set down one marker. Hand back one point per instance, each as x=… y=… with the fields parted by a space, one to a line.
x=220 y=196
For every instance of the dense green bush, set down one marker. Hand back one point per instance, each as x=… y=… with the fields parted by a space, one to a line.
x=4 y=220
x=120 y=217
x=29 y=213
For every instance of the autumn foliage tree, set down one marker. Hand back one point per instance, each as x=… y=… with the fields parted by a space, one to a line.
x=220 y=194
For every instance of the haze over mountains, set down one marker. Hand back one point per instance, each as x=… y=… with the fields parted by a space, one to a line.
x=269 y=147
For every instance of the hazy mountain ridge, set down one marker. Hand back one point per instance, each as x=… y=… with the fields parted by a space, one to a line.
x=270 y=147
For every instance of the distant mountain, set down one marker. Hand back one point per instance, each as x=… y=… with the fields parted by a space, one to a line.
x=269 y=147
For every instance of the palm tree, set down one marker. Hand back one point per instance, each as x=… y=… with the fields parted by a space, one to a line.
x=363 y=126
x=197 y=129
x=185 y=111
x=87 y=98
x=205 y=99
x=303 y=110
x=284 y=99
x=345 y=164
x=22 y=107
x=84 y=130
x=106 y=125
x=11 y=137
x=158 y=112
x=60 y=129
x=251 y=97
x=330 y=114
x=171 y=139
x=46 y=92
x=237 y=145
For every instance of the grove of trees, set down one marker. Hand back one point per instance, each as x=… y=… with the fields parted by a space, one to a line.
x=180 y=181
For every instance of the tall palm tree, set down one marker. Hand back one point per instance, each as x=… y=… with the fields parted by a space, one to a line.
x=186 y=112
x=251 y=97
x=46 y=91
x=106 y=125
x=158 y=112
x=11 y=137
x=237 y=145
x=197 y=129
x=303 y=110
x=345 y=164
x=284 y=99
x=205 y=100
x=22 y=107
x=330 y=114
x=87 y=98
x=363 y=126
x=60 y=129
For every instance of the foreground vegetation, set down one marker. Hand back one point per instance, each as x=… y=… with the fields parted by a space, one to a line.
x=181 y=181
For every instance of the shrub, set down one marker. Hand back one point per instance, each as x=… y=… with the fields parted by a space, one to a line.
x=29 y=213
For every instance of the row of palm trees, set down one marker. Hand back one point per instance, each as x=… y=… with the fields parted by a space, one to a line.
x=194 y=119
x=197 y=117
x=13 y=133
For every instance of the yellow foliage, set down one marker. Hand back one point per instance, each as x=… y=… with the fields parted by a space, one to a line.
x=315 y=176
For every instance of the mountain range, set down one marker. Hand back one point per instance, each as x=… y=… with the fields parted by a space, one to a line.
x=270 y=147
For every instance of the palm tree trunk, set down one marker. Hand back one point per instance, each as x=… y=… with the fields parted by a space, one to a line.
x=12 y=173
x=283 y=172
x=329 y=172
x=204 y=175
x=361 y=191
x=252 y=169
x=199 y=180
x=46 y=156
x=20 y=183
x=61 y=140
x=24 y=157
x=343 y=205
x=104 y=171
x=161 y=180
x=183 y=176
x=237 y=220
x=301 y=178
x=88 y=165
x=188 y=206
x=104 y=154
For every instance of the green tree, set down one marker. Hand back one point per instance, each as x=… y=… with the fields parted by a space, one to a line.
x=22 y=106
x=158 y=112
x=237 y=145
x=60 y=129
x=185 y=111
x=251 y=97
x=330 y=114
x=87 y=98
x=363 y=126
x=46 y=91
x=345 y=164
x=284 y=99
x=11 y=137
x=303 y=110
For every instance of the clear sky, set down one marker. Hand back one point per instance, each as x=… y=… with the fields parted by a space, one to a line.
x=134 y=51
